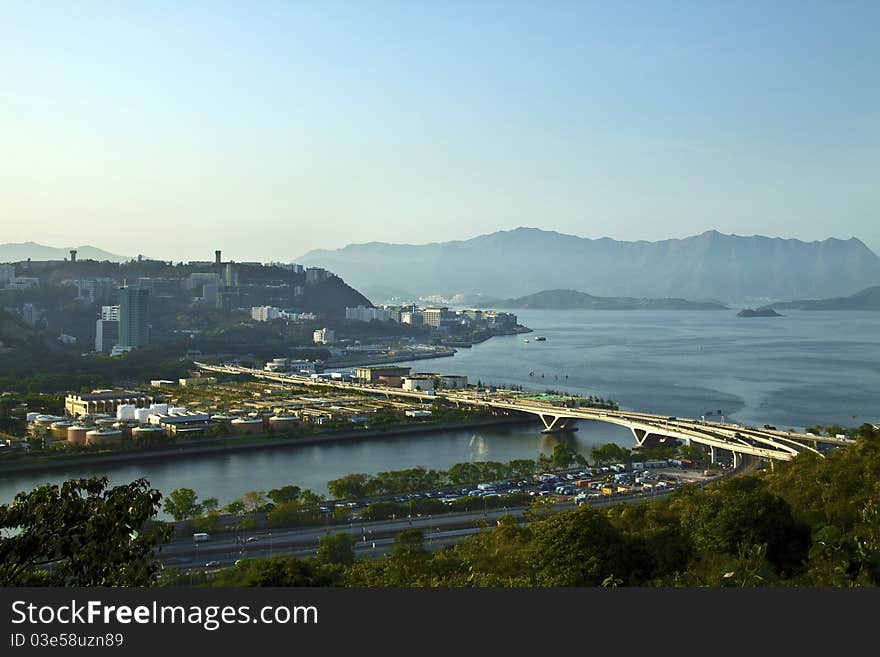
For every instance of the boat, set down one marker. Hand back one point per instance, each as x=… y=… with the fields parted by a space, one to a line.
x=540 y=338
x=526 y=340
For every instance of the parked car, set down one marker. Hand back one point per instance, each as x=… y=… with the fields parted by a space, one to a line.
x=212 y=564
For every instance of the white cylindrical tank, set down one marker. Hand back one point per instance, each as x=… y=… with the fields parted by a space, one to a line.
x=159 y=409
x=141 y=415
x=176 y=410
x=125 y=411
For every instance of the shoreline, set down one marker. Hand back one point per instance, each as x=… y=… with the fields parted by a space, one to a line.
x=210 y=447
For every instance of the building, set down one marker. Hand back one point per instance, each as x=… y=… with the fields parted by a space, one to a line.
x=364 y=314
x=30 y=314
x=133 y=313
x=198 y=280
x=7 y=274
x=372 y=373
x=317 y=275
x=23 y=283
x=420 y=383
x=110 y=313
x=453 y=381
x=324 y=336
x=106 y=334
x=95 y=290
x=231 y=275
x=104 y=401
x=412 y=317
x=159 y=287
x=265 y=313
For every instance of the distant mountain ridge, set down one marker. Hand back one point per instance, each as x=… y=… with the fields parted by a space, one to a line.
x=574 y=300
x=18 y=252
x=867 y=299
x=712 y=265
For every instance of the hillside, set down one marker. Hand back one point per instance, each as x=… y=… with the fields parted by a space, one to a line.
x=572 y=299
x=24 y=250
x=507 y=264
x=867 y=299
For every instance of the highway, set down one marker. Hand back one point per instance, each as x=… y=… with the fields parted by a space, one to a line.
x=739 y=439
x=372 y=539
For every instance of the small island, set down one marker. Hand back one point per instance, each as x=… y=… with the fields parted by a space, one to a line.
x=758 y=312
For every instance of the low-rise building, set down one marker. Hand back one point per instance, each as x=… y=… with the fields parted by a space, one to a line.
x=372 y=373
x=104 y=401
x=420 y=383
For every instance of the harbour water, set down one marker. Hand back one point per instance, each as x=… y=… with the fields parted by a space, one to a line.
x=793 y=371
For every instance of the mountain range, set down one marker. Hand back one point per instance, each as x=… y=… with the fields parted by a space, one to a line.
x=710 y=266
x=573 y=300
x=867 y=299
x=24 y=250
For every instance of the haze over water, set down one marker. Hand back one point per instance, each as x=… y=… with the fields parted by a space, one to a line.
x=792 y=371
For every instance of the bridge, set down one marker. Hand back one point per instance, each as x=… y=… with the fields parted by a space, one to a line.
x=647 y=429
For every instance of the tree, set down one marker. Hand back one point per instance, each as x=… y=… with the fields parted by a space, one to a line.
x=564 y=455
x=253 y=501
x=82 y=534
x=336 y=549
x=284 y=494
x=182 y=503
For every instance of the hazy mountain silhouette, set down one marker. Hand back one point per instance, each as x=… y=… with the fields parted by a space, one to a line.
x=573 y=300
x=24 y=250
x=867 y=299
x=523 y=261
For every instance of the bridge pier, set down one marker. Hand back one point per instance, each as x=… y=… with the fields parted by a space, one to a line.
x=712 y=454
x=554 y=423
x=736 y=459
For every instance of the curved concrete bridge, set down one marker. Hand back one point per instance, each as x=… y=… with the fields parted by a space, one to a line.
x=647 y=429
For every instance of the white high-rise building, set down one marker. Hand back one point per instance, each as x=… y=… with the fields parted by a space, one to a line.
x=265 y=313
x=364 y=314
x=324 y=336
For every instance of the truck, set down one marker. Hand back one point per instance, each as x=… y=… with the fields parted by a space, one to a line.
x=199 y=537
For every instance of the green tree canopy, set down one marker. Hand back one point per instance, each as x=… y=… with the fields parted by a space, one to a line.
x=82 y=534
x=182 y=503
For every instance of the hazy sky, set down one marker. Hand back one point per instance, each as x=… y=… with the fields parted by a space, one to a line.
x=270 y=128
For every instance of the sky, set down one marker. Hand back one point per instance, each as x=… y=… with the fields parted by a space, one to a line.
x=267 y=129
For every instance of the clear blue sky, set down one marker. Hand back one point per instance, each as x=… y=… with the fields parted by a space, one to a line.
x=270 y=128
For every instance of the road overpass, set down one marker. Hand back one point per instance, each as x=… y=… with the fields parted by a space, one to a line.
x=647 y=429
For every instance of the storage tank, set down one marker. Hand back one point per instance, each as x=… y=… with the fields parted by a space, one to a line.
x=159 y=409
x=103 y=436
x=176 y=410
x=141 y=415
x=125 y=428
x=125 y=411
x=32 y=416
x=107 y=422
x=147 y=431
x=283 y=422
x=247 y=425
x=76 y=434
x=59 y=429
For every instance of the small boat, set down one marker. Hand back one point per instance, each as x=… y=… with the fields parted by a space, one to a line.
x=526 y=340
x=540 y=338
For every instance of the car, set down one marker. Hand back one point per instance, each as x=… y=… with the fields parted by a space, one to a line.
x=251 y=539
x=212 y=564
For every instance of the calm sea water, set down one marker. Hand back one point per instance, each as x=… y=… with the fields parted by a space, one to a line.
x=792 y=371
